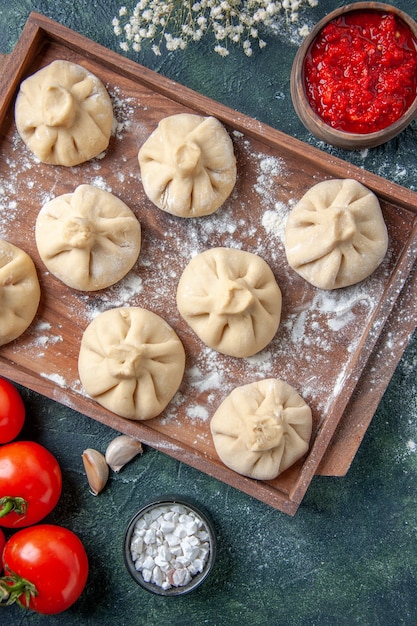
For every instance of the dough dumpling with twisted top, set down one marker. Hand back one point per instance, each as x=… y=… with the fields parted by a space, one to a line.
x=262 y=428
x=89 y=239
x=19 y=292
x=231 y=300
x=131 y=362
x=336 y=235
x=64 y=114
x=188 y=166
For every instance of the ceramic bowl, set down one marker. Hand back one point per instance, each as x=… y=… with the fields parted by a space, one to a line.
x=311 y=120
x=143 y=517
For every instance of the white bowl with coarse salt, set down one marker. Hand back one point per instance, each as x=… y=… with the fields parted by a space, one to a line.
x=170 y=546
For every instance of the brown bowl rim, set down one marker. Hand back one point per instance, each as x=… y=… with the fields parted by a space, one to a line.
x=312 y=121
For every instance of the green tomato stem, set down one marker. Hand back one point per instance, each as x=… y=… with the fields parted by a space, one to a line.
x=12 y=504
x=13 y=587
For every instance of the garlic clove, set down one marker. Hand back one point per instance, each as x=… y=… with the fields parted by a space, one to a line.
x=121 y=450
x=96 y=469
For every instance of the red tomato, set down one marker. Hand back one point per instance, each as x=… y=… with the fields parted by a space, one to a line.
x=30 y=483
x=12 y=411
x=46 y=568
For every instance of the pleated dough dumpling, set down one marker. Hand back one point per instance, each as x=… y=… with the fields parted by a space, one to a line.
x=231 y=300
x=64 y=114
x=89 y=239
x=19 y=292
x=187 y=165
x=131 y=362
x=262 y=428
x=336 y=235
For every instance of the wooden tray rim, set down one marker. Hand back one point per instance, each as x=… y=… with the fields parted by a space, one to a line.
x=37 y=29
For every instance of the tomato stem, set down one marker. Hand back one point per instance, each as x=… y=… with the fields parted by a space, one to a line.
x=13 y=587
x=12 y=504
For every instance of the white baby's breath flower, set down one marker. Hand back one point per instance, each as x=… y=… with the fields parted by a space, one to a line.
x=174 y=23
x=220 y=32
x=147 y=15
x=216 y=12
x=260 y=15
x=272 y=7
x=221 y=50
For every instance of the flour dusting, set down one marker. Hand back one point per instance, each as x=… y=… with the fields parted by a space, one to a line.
x=320 y=332
x=55 y=378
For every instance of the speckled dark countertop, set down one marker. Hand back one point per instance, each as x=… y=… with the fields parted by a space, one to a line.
x=349 y=556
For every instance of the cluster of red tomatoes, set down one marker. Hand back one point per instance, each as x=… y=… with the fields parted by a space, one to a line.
x=45 y=566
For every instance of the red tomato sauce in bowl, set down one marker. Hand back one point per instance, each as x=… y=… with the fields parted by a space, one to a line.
x=360 y=72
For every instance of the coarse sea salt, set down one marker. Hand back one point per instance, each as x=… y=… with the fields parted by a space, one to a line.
x=170 y=545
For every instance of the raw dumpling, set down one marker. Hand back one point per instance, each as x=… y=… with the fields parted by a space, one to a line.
x=231 y=300
x=188 y=166
x=19 y=292
x=336 y=235
x=64 y=114
x=89 y=239
x=262 y=428
x=131 y=362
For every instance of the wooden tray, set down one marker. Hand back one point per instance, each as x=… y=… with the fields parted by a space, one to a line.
x=328 y=345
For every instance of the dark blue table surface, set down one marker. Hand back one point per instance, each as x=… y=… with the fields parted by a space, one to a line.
x=349 y=556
